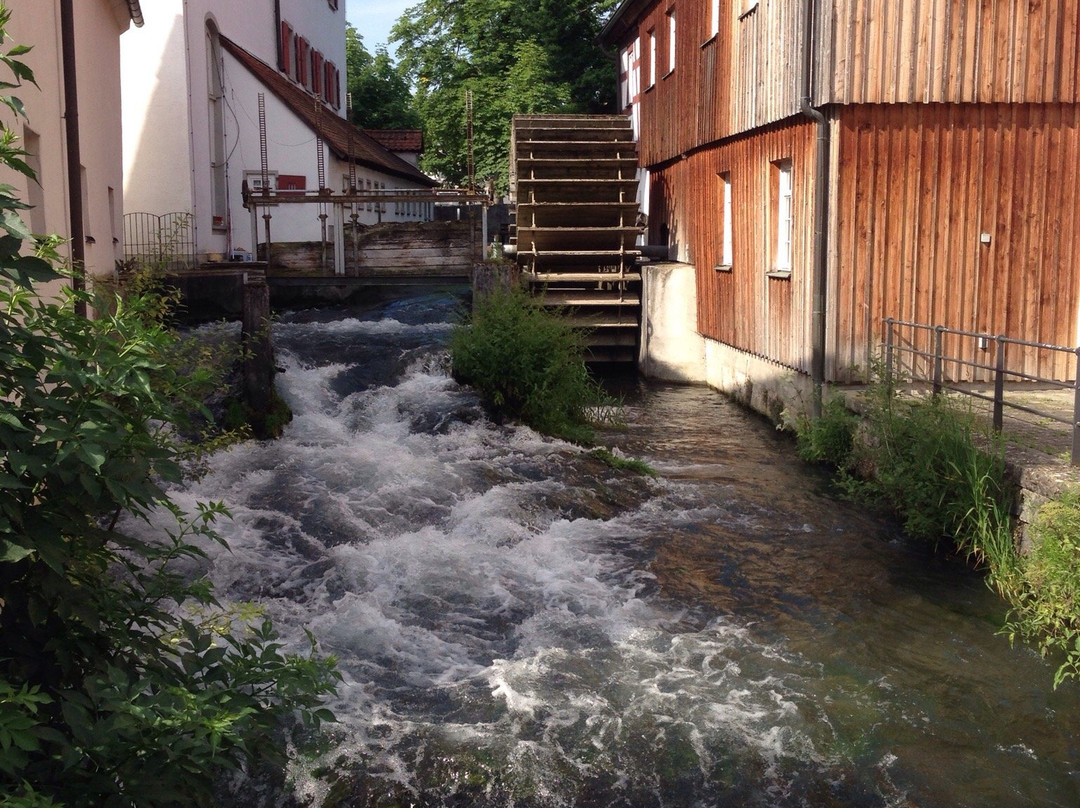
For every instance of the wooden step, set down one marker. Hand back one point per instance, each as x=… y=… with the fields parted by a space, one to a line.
x=588 y=298
x=582 y=277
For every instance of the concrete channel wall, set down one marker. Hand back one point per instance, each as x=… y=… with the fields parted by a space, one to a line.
x=672 y=350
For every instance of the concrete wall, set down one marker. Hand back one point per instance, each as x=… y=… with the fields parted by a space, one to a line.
x=673 y=350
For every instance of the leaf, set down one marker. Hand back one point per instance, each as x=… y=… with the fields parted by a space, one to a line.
x=11 y=552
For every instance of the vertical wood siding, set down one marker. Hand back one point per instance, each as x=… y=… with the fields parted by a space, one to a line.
x=747 y=76
x=744 y=307
x=927 y=51
x=916 y=187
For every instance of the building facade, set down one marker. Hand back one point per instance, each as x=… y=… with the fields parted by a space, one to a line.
x=97 y=26
x=827 y=164
x=209 y=85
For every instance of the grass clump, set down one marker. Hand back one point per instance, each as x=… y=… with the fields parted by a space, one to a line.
x=528 y=365
x=926 y=460
x=620 y=463
x=1044 y=587
x=931 y=463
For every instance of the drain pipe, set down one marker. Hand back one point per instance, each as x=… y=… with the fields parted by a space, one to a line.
x=74 y=158
x=821 y=203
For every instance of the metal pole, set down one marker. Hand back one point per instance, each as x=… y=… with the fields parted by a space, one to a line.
x=889 y=355
x=999 y=384
x=938 y=329
x=1076 y=411
x=74 y=158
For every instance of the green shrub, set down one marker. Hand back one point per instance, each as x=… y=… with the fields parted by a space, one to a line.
x=528 y=365
x=829 y=439
x=1045 y=586
x=122 y=681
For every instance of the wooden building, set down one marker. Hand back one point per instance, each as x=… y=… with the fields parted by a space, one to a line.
x=826 y=164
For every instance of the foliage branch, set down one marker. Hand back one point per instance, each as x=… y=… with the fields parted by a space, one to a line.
x=515 y=56
x=123 y=681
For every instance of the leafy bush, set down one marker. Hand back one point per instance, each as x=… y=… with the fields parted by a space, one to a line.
x=1045 y=586
x=831 y=438
x=528 y=364
x=122 y=681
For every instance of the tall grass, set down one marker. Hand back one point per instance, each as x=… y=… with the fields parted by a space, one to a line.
x=931 y=463
x=1044 y=587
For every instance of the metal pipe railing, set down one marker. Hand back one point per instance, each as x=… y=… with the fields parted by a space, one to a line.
x=999 y=370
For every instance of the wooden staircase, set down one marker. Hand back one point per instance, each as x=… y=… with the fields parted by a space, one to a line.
x=574 y=178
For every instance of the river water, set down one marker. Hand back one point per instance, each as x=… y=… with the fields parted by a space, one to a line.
x=519 y=625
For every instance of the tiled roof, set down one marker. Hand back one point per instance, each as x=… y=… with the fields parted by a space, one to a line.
x=399 y=140
x=348 y=142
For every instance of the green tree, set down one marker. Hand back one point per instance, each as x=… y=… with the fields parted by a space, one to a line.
x=516 y=56
x=381 y=98
x=122 y=681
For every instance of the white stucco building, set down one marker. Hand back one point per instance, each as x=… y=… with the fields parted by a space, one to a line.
x=97 y=26
x=192 y=79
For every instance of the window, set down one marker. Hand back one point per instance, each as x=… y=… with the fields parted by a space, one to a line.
x=331 y=90
x=34 y=191
x=747 y=6
x=652 y=56
x=333 y=4
x=302 y=60
x=785 y=213
x=317 y=73
x=285 y=59
x=725 y=222
x=671 y=40
x=254 y=181
x=714 y=18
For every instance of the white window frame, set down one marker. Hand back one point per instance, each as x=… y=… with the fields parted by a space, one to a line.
x=785 y=216
x=726 y=244
x=671 y=40
x=652 y=56
x=714 y=18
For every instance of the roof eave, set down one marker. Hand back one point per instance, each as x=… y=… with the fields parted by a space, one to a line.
x=623 y=19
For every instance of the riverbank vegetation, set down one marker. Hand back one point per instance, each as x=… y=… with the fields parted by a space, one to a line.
x=123 y=680
x=932 y=464
x=528 y=365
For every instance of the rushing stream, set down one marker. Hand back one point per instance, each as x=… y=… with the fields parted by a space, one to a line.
x=519 y=625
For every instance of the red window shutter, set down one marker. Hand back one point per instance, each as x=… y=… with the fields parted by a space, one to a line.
x=285 y=62
x=302 y=60
x=316 y=73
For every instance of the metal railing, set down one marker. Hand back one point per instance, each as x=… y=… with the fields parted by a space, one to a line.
x=166 y=241
x=930 y=352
